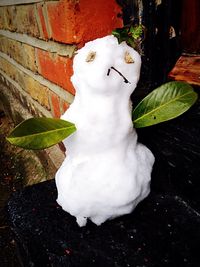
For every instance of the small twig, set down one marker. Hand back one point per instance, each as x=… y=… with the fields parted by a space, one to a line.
x=125 y=80
x=108 y=72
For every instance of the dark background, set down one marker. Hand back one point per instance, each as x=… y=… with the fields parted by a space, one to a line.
x=160 y=51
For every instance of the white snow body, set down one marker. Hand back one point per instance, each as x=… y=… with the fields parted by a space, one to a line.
x=106 y=172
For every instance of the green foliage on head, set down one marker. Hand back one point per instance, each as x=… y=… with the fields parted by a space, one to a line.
x=133 y=35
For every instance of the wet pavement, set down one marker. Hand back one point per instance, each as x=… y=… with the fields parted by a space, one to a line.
x=11 y=179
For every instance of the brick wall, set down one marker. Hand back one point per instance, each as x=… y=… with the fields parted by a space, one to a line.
x=37 y=43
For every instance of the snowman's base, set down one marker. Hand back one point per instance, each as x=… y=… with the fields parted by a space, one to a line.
x=164 y=230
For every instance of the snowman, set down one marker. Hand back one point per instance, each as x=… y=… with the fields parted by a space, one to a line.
x=106 y=172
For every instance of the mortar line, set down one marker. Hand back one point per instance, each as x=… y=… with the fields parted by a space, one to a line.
x=50 y=46
x=38 y=20
x=19 y=2
x=53 y=87
x=25 y=94
x=46 y=19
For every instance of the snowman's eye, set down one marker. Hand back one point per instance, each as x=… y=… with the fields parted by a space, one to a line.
x=128 y=58
x=90 y=57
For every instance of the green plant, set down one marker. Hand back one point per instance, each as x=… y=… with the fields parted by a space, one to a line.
x=133 y=35
x=162 y=104
x=40 y=133
x=167 y=102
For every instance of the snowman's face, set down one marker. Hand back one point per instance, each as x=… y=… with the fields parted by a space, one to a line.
x=106 y=66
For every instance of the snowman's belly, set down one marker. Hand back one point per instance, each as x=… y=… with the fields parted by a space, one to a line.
x=107 y=183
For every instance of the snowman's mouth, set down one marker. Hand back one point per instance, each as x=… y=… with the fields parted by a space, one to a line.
x=108 y=73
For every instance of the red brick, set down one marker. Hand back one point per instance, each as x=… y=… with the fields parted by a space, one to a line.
x=62 y=20
x=97 y=19
x=55 y=68
x=55 y=102
x=64 y=106
x=80 y=21
x=44 y=34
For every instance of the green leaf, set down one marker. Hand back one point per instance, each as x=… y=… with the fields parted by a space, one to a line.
x=164 y=103
x=136 y=31
x=121 y=34
x=133 y=35
x=40 y=133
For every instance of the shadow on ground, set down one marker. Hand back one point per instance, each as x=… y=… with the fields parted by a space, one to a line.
x=11 y=179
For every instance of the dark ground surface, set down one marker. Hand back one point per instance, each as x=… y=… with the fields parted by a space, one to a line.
x=164 y=230
x=10 y=181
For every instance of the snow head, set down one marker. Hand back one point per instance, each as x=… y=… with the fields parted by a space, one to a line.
x=106 y=67
x=106 y=172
